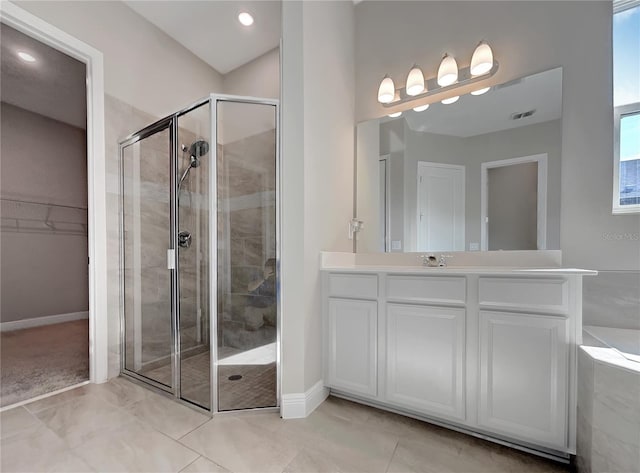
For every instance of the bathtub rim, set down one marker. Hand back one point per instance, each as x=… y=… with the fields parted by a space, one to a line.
x=607 y=354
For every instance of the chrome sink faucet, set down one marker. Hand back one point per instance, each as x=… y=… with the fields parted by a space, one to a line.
x=429 y=260
x=442 y=262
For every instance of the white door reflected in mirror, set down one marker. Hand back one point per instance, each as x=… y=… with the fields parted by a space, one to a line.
x=440 y=207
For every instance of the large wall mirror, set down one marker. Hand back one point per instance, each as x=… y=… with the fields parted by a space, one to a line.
x=482 y=173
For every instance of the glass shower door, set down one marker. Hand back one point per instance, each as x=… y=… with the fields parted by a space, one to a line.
x=147 y=292
x=246 y=248
x=194 y=165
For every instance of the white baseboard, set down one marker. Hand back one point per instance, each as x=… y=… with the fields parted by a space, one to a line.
x=300 y=405
x=46 y=320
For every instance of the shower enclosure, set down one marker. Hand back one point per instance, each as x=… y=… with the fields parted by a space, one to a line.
x=199 y=254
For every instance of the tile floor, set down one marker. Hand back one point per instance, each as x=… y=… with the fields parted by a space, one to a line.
x=120 y=426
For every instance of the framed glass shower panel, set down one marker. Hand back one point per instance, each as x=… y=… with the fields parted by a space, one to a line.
x=247 y=302
x=147 y=281
x=194 y=160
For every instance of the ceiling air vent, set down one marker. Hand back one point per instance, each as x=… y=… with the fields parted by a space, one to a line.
x=519 y=115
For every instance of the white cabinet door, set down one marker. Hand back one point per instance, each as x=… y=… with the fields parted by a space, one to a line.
x=353 y=347
x=425 y=359
x=523 y=376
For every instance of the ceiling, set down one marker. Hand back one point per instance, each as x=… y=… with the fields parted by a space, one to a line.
x=211 y=30
x=42 y=86
x=490 y=112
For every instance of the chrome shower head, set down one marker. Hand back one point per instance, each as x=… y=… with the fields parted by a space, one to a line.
x=197 y=150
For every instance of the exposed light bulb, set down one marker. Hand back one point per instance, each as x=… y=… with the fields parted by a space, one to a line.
x=387 y=90
x=394 y=115
x=451 y=100
x=26 y=57
x=481 y=91
x=421 y=108
x=415 y=81
x=245 y=18
x=482 y=60
x=448 y=71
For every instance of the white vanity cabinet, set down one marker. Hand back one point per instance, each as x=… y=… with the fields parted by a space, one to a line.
x=488 y=351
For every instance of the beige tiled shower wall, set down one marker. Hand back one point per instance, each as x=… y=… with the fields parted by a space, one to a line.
x=246 y=190
x=194 y=218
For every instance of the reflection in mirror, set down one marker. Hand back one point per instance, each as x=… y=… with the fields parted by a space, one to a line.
x=480 y=174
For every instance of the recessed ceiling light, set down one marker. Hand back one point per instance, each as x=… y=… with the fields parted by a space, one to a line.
x=394 y=115
x=421 y=108
x=245 y=18
x=26 y=57
x=451 y=100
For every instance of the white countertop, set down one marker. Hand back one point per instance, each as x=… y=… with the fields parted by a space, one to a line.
x=458 y=270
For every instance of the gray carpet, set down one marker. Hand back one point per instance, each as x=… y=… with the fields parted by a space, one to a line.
x=40 y=360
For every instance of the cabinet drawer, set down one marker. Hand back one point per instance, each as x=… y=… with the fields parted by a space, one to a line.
x=429 y=289
x=363 y=286
x=535 y=294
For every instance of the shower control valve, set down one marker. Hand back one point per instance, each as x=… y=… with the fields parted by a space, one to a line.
x=184 y=239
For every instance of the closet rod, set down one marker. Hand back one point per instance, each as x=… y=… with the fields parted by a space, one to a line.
x=42 y=203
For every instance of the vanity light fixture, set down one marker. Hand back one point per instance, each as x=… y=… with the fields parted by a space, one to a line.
x=481 y=91
x=451 y=100
x=448 y=78
x=415 y=81
x=482 y=59
x=26 y=57
x=448 y=71
x=245 y=18
x=394 y=115
x=387 y=90
x=421 y=108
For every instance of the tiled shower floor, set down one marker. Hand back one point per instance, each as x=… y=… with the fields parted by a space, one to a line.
x=255 y=388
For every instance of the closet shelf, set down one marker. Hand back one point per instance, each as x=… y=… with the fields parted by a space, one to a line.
x=21 y=216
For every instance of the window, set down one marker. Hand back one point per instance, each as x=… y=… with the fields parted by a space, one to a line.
x=626 y=103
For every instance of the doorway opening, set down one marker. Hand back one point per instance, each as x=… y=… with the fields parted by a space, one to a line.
x=514 y=204
x=44 y=316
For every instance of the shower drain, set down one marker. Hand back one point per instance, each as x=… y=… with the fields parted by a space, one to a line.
x=235 y=377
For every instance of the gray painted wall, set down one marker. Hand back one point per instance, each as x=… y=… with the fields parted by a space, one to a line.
x=472 y=152
x=258 y=78
x=42 y=160
x=317 y=169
